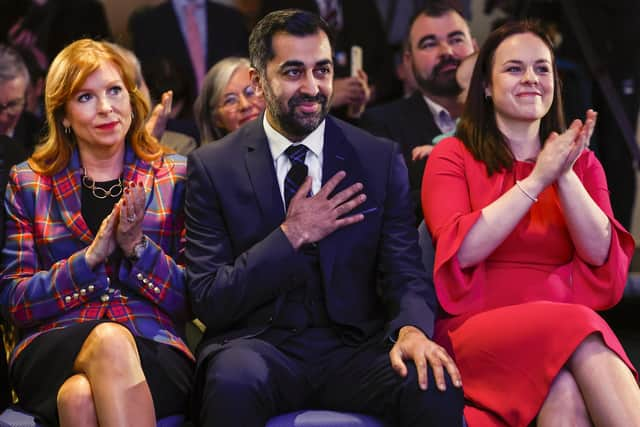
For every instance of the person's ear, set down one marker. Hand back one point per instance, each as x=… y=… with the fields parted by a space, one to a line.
x=256 y=81
x=474 y=42
x=487 y=91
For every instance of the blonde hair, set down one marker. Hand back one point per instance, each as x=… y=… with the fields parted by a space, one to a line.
x=211 y=94
x=67 y=73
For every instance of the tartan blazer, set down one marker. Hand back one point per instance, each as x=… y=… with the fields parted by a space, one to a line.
x=45 y=282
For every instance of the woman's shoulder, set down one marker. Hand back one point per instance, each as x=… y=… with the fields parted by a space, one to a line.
x=171 y=164
x=451 y=147
x=23 y=174
x=448 y=144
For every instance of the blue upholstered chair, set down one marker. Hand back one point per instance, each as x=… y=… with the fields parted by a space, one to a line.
x=321 y=418
x=15 y=417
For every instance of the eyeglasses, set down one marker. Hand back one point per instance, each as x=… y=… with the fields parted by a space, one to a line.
x=231 y=101
x=13 y=106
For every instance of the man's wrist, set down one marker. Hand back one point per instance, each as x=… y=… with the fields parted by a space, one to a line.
x=295 y=238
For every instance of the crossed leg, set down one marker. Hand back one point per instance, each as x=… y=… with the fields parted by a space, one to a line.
x=110 y=388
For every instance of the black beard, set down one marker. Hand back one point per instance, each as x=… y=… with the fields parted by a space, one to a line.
x=297 y=126
x=438 y=83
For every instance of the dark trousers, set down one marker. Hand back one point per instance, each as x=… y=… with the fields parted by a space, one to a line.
x=251 y=380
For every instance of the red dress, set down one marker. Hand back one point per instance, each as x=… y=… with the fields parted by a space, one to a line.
x=513 y=320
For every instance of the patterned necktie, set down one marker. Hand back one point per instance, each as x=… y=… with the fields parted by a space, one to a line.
x=194 y=42
x=298 y=172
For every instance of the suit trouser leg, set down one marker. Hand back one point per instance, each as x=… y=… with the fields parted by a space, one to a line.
x=363 y=380
x=247 y=382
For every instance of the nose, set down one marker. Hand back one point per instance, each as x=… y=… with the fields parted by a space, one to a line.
x=243 y=103
x=529 y=76
x=445 y=48
x=309 y=84
x=104 y=105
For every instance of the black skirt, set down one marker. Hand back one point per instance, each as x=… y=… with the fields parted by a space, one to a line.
x=40 y=370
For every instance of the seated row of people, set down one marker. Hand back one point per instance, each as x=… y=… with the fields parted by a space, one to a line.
x=293 y=240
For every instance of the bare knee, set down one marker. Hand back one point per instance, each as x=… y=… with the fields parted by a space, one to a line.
x=592 y=346
x=564 y=405
x=109 y=346
x=75 y=402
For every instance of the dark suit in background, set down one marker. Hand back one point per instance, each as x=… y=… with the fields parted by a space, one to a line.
x=410 y=123
x=253 y=290
x=156 y=35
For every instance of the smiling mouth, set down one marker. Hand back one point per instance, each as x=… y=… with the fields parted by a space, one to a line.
x=248 y=118
x=107 y=126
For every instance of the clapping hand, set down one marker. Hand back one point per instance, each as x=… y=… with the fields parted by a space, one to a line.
x=129 y=230
x=311 y=219
x=105 y=243
x=561 y=151
x=157 y=123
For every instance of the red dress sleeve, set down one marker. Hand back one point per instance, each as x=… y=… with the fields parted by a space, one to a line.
x=601 y=287
x=449 y=216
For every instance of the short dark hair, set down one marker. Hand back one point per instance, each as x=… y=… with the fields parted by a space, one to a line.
x=290 y=21
x=478 y=129
x=434 y=9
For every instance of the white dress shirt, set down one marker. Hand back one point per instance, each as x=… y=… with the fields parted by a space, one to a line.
x=278 y=143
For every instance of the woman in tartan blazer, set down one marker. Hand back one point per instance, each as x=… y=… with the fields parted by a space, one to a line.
x=92 y=270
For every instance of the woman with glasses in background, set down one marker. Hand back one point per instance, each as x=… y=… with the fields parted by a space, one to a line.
x=227 y=99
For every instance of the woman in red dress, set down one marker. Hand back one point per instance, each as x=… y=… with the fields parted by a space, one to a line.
x=527 y=248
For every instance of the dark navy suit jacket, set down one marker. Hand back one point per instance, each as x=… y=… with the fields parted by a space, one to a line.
x=241 y=265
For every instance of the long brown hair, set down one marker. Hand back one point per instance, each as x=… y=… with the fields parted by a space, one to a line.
x=67 y=73
x=478 y=129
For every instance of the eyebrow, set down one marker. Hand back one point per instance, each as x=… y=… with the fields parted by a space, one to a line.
x=433 y=36
x=519 y=62
x=295 y=63
x=111 y=83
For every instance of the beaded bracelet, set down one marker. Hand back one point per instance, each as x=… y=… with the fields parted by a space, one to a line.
x=526 y=193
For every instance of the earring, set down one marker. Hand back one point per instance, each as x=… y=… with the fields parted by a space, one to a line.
x=67 y=130
x=132 y=115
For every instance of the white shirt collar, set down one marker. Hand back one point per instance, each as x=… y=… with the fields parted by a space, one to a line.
x=441 y=115
x=278 y=143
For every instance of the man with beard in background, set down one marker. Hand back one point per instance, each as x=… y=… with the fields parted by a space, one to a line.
x=438 y=39
x=302 y=259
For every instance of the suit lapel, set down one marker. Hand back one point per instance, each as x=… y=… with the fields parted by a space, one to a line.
x=338 y=155
x=67 y=190
x=262 y=174
x=135 y=171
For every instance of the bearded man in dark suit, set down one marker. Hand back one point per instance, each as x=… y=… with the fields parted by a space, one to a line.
x=303 y=262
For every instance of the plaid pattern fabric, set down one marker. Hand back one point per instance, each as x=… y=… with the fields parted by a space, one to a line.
x=45 y=282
